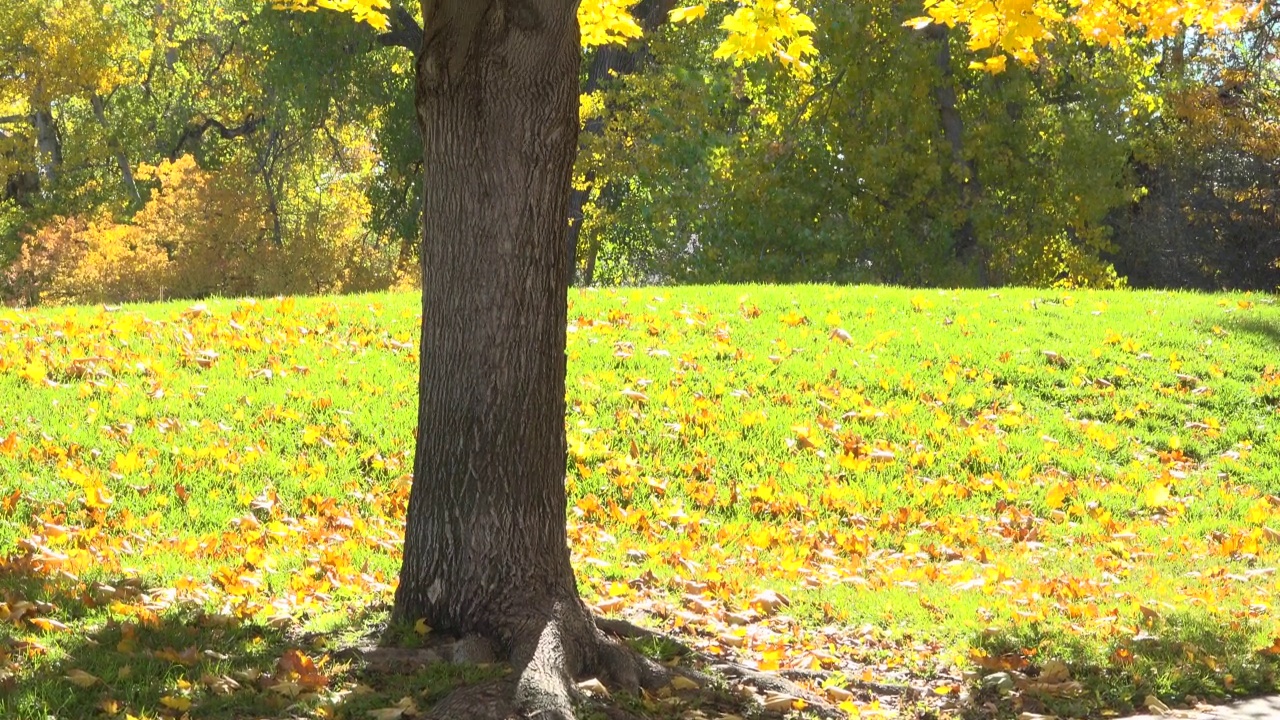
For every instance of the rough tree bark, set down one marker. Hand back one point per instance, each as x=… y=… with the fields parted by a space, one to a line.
x=485 y=547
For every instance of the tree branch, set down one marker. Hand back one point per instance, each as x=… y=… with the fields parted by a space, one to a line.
x=405 y=31
x=11 y=119
x=196 y=132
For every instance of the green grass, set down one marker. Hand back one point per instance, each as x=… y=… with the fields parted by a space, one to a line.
x=931 y=480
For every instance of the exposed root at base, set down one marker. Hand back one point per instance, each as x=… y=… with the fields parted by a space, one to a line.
x=551 y=658
x=761 y=681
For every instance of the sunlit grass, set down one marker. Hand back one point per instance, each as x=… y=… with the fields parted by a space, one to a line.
x=929 y=479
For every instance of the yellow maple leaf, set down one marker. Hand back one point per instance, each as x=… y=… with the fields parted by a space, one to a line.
x=1155 y=495
x=80 y=678
x=688 y=14
x=172 y=702
x=97 y=496
x=1057 y=494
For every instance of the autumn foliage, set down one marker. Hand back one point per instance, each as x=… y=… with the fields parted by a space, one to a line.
x=201 y=233
x=897 y=487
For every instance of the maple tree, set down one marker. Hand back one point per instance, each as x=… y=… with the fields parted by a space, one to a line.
x=497 y=107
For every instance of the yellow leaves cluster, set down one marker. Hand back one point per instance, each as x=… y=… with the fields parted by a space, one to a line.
x=761 y=29
x=372 y=12
x=603 y=22
x=201 y=232
x=79 y=48
x=1014 y=28
x=756 y=29
x=766 y=28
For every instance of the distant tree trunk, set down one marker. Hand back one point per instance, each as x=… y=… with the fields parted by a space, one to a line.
x=48 y=146
x=113 y=142
x=485 y=547
x=610 y=62
x=965 y=176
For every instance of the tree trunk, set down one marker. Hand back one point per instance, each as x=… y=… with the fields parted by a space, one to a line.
x=48 y=146
x=964 y=173
x=122 y=158
x=485 y=547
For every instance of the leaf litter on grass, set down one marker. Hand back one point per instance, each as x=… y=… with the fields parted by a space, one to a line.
x=888 y=489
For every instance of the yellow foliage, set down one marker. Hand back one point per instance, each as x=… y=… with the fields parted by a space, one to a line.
x=204 y=233
x=79 y=47
x=211 y=225
x=71 y=260
x=1014 y=28
x=763 y=28
x=372 y=12
x=607 y=21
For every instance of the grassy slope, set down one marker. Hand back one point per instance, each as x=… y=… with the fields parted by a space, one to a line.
x=929 y=478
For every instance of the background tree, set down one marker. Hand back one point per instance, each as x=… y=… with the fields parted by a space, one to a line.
x=316 y=154
x=1207 y=214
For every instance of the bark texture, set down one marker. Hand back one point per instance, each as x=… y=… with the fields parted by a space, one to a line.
x=485 y=547
x=486 y=555
x=122 y=158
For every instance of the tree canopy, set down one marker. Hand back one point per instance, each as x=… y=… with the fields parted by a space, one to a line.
x=947 y=143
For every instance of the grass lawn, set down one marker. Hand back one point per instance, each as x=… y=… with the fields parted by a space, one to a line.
x=200 y=503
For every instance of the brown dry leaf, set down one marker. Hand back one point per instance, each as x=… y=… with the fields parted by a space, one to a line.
x=838 y=694
x=298 y=665
x=220 y=684
x=1054 y=358
x=778 y=702
x=680 y=682
x=1153 y=704
x=1055 y=671
x=80 y=678
x=594 y=687
x=287 y=688
x=768 y=602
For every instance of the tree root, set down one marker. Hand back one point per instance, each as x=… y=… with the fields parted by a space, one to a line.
x=762 y=681
x=548 y=655
x=551 y=655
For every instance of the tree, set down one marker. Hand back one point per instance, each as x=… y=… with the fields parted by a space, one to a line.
x=485 y=545
x=497 y=108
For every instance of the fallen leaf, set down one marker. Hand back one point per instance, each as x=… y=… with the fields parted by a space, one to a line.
x=80 y=678
x=180 y=704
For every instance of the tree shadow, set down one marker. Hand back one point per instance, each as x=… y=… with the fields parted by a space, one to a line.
x=1178 y=658
x=108 y=648
x=1262 y=327
x=70 y=649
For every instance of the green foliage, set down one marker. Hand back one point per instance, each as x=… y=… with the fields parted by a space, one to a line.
x=233 y=84
x=1207 y=217
x=892 y=155
x=710 y=172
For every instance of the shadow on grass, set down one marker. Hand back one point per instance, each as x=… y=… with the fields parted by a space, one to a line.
x=1263 y=328
x=115 y=657
x=1179 y=659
